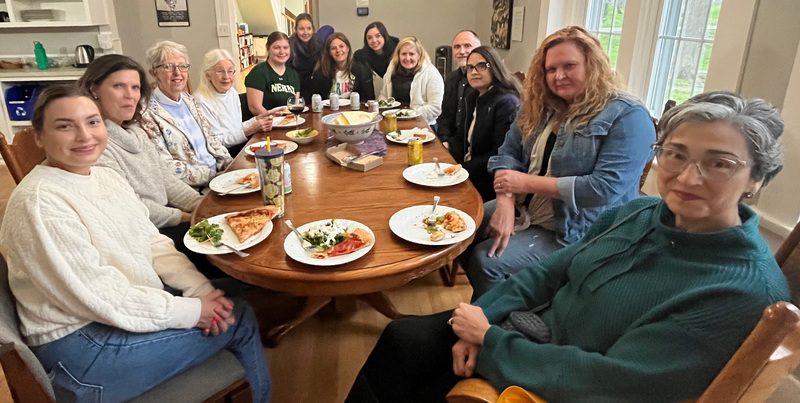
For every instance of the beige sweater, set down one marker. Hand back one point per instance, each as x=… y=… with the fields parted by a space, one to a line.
x=81 y=249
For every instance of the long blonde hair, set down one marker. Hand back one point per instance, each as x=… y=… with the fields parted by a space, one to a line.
x=410 y=40
x=212 y=57
x=539 y=101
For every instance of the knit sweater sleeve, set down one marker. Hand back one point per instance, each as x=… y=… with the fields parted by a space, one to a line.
x=175 y=269
x=686 y=348
x=69 y=267
x=179 y=194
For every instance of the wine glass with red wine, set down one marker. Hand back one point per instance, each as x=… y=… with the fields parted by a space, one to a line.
x=296 y=104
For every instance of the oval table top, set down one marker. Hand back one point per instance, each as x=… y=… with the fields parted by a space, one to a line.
x=323 y=189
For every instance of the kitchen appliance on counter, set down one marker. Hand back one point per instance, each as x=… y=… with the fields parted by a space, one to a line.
x=84 y=54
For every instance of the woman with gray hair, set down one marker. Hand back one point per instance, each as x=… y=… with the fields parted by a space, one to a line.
x=221 y=105
x=648 y=306
x=174 y=121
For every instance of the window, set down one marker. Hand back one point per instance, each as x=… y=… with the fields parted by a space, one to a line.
x=604 y=20
x=683 y=50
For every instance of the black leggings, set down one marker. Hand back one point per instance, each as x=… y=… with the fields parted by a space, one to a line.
x=412 y=362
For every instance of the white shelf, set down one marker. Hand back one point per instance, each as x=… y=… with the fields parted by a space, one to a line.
x=45 y=24
x=20 y=123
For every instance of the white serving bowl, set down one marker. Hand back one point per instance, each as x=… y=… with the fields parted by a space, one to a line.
x=354 y=133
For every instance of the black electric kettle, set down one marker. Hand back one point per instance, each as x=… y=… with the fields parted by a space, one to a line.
x=84 y=54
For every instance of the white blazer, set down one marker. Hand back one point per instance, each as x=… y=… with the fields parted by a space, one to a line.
x=427 y=91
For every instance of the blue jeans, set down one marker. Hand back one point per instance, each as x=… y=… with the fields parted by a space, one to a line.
x=524 y=248
x=103 y=363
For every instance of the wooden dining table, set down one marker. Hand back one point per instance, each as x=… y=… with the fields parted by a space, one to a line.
x=323 y=189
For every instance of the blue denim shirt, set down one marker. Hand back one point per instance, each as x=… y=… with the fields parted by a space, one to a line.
x=597 y=165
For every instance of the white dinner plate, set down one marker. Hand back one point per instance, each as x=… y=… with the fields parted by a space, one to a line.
x=406 y=134
x=284 y=110
x=424 y=174
x=230 y=180
x=342 y=102
x=206 y=248
x=394 y=104
x=288 y=146
x=278 y=122
x=407 y=114
x=407 y=224
x=292 y=247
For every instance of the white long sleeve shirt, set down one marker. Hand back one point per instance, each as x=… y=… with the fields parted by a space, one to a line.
x=81 y=249
x=224 y=115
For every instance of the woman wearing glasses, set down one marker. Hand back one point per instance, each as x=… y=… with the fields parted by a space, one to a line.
x=412 y=79
x=221 y=105
x=338 y=73
x=578 y=146
x=270 y=84
x=647 y=307
x=489 y=112
x=176 y=124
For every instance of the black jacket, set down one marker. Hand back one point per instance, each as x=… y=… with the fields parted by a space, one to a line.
x=456 y=88
x=496 y=110
x=321 y=84
x=377 y=62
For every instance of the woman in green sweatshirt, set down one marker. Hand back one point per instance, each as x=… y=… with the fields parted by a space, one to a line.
x=648 y=306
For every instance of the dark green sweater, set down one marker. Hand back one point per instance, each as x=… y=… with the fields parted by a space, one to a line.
x=643 y=313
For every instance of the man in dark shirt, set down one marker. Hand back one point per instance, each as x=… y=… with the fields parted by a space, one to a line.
x=456 y=86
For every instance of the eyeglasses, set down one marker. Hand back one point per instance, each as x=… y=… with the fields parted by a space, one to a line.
x=171 y=67
x=711 y=168
x=223 y=73
x=479 y=67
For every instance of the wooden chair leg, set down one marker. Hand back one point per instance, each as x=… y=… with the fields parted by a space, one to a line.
x=448 y=272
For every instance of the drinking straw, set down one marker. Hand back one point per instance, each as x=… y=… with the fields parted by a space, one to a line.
x=269 y=147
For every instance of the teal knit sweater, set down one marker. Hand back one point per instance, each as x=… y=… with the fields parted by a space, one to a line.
x=640 y=311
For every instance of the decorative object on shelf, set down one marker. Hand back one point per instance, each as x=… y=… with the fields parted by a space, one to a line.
x=172 y=13
x=501 y=24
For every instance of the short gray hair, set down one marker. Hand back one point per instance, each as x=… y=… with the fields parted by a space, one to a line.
x=160 y=51
x=756 y=119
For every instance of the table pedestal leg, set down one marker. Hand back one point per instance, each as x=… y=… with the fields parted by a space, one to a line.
x=382 y=304
x=311 y=306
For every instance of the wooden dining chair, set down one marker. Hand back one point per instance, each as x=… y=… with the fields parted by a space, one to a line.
x=754 y=372
x=22 y=154
x=220 y=379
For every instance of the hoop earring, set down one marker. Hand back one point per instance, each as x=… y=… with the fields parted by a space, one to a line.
x=748 y=195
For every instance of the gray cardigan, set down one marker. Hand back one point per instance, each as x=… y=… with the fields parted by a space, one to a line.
x=131 y=153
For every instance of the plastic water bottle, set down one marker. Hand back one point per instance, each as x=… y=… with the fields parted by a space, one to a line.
x=41 y=55
x=334 y=100
x=287 y=178
x=355 y=101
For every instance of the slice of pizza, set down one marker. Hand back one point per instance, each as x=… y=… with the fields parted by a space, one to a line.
x=356 y=240
x=453 y=222
x=251 y=179
x=247 y=223
x=452 y=169
x=288 y=120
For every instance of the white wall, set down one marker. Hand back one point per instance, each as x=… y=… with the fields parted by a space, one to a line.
x=434 y=22
x=138 y=28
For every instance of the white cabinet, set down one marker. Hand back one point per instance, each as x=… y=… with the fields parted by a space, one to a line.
x=67 y=13
x=10 y=78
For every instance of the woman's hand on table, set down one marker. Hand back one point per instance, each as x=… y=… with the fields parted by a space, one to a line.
x=510 y=181
x=501 y=225
x=186 y=217
x=264 y=122
x=465 y=358
x=469 y=323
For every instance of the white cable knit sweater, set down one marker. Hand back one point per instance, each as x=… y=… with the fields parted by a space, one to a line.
x=81 y=249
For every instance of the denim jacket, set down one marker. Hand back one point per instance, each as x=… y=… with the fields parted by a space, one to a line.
x=597 y=165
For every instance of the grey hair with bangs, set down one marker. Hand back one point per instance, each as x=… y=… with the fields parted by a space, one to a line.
x=756 y=119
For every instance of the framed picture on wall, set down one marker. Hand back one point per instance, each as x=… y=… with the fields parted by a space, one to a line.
x=501 y=24
x=172 y=13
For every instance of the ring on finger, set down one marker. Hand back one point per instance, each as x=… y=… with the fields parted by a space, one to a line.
x=450 y=321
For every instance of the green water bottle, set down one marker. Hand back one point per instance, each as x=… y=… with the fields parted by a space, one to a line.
x=41 y=55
